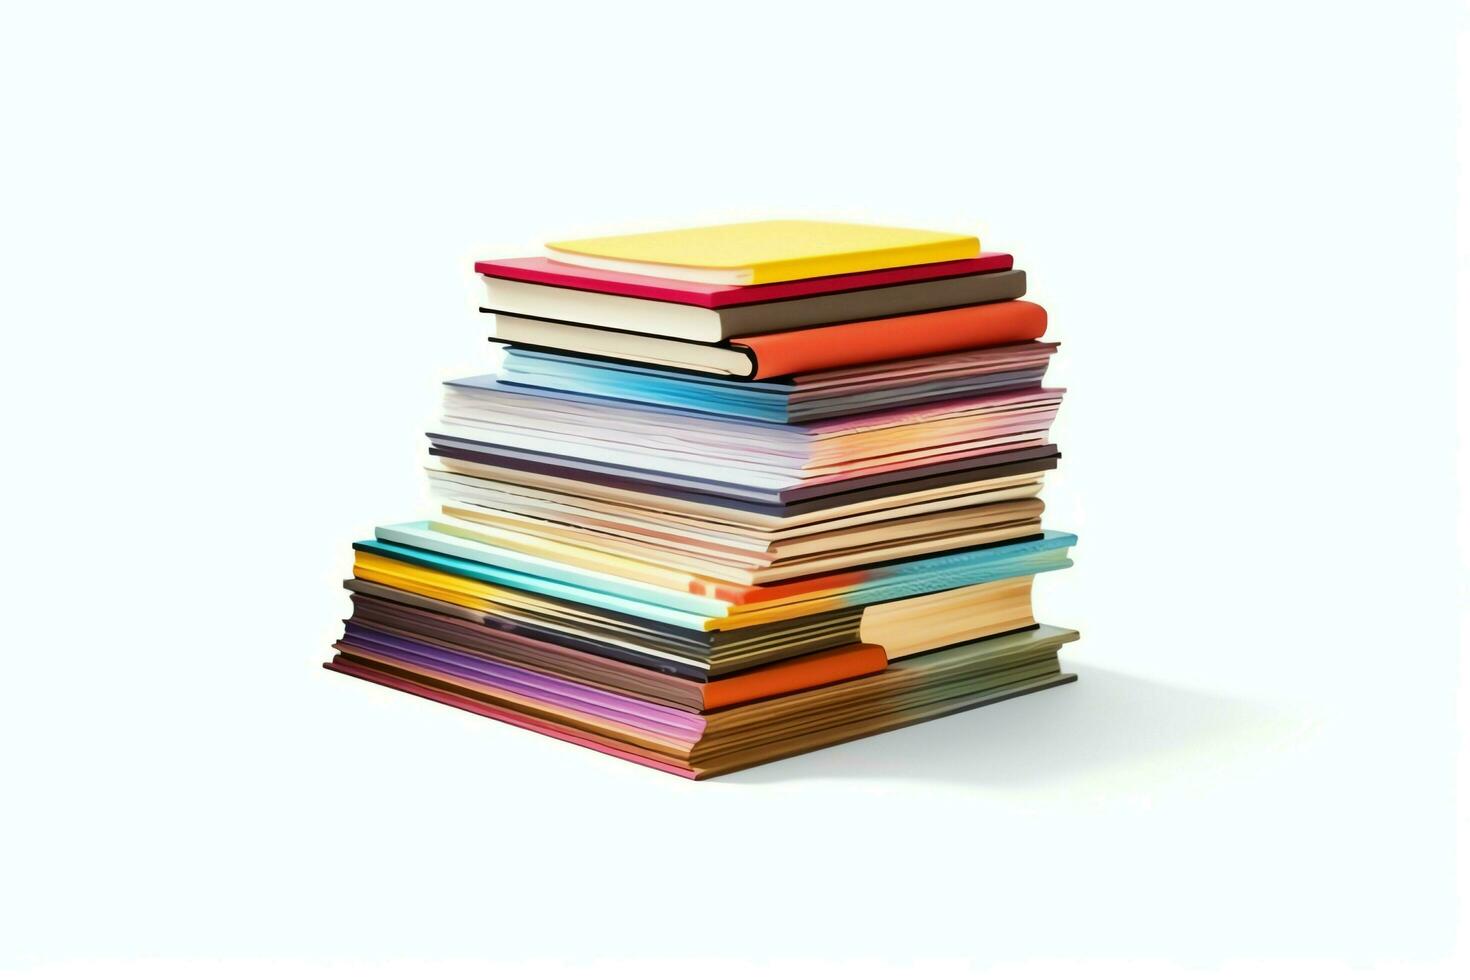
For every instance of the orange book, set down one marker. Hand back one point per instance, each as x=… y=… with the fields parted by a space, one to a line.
x=796 y=674
x=808 y=349
x=893 y=338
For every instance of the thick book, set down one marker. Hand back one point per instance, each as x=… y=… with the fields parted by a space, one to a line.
x=775 y=355
x=765 y=251
x=798 y=398
x=754 y=559
x=595 y=507
x=484 y=413
x=417 y=551
x=541 y=469
x=902 y=627
x=552 y=290
x=1002 y=521
x=698 y=746
x=456 y=632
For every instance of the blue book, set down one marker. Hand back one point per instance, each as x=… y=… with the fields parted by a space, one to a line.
x=799 y=398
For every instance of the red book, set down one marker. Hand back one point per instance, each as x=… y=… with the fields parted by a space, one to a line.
x=548 y=272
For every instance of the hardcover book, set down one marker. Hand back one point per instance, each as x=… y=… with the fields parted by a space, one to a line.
x=543 y=271
x=689 y=313
x=774 y=355
x=698 y=746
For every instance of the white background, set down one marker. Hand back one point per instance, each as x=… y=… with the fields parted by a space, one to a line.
x=238 y=248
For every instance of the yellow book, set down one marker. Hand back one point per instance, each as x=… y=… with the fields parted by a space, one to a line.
x=764 y=251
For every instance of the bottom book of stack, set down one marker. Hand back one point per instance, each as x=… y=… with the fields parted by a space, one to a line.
x=691 y=723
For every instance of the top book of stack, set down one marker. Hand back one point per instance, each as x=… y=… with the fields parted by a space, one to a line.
x=712 y=284
x=765 y=251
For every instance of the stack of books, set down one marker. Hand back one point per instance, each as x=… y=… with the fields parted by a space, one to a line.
x=736 y=493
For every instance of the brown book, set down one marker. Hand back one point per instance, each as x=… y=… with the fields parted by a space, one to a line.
x=908 y=692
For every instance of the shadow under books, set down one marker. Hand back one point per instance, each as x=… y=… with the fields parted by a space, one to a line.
x=1105 y=720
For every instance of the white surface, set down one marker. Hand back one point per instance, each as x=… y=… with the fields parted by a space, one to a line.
x=237 y=262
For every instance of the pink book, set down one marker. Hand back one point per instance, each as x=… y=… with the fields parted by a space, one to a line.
x=548 y=272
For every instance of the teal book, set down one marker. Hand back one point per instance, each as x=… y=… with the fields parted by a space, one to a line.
x=627 y=585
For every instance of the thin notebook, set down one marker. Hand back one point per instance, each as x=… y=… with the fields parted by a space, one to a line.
x=765 y=251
